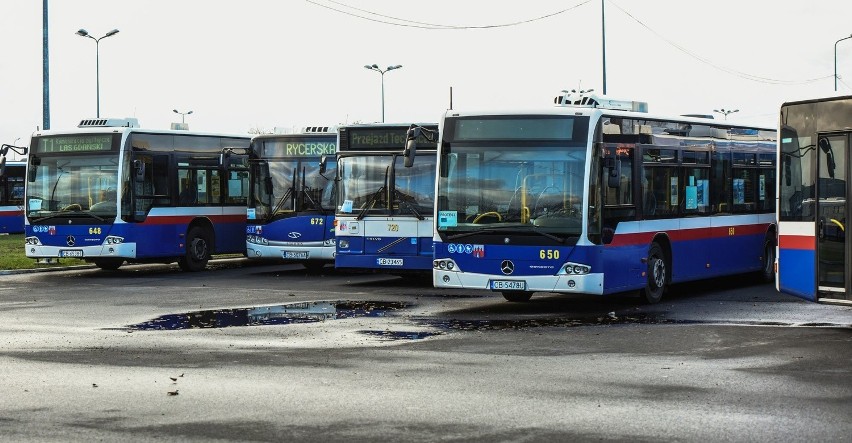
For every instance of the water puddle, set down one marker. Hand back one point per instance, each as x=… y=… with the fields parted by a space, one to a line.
x=400 y=335
x=290 y=313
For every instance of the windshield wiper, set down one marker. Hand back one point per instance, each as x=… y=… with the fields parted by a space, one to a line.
x=370 y=203
x=69 y=214
x=401 y=198
x=374 y=197
x=508 y=230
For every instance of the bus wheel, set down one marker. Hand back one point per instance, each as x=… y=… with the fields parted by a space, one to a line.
x=768 y=272
x=517 y=296
x=197 y=250
x=657 y=275
x=109 y=264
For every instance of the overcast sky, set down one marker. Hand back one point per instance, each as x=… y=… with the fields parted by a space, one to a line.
x=260 y=64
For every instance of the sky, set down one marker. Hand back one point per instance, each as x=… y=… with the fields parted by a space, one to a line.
x=254 y=65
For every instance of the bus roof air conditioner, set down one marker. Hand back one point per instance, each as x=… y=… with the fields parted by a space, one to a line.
x=109 y=123
x=586 y=100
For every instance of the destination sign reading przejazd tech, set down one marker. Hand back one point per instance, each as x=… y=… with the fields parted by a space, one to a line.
x=381 y=138
x=75 y=143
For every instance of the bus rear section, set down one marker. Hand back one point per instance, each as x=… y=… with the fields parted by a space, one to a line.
x=600 y=198
x=12 y=197
x=109 y=194
x=291 y=206
x=385 y=200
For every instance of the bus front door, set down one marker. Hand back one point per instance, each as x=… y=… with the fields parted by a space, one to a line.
x=833 y=245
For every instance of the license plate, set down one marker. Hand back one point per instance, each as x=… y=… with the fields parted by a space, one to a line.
x=510 y=285
x=296 y=255
x=389 y=261
x=71 y=253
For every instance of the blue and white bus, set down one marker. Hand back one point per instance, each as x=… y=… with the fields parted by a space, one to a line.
x=291 y=205
x=596 y=196
x=814 y=169
x=12 y=195
x=110 y=192
x=384 y=206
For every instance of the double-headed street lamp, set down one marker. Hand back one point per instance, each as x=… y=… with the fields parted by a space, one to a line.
x=835 y=60
x=725 y=112
x=84 y=33
x=375 y=67
x=182 y=115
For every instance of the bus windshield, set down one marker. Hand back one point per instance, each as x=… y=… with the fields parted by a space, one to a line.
x=73 y=185
x=296 y=186
x=366 y=184
x=484 y=186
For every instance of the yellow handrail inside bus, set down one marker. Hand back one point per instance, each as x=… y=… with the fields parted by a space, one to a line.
x=838 y=224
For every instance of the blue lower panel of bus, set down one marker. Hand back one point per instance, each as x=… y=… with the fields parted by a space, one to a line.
x=796 y=273
x=137 y=240
x=11 y=222
x=385 y=253
x=623 y=266
x=287 y=237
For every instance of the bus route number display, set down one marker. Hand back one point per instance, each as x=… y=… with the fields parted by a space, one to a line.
x=75 y=143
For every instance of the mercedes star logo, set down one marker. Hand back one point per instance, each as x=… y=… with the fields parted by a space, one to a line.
x=507 y=267
x=70 y=240
x=294 y=235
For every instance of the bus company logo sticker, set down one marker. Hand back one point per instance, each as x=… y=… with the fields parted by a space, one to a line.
x=51 y=230
x=507 y=267
x=479 y=251
x=294 y=235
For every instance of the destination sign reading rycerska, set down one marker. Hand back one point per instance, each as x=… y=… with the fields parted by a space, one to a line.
x=383 y=138
x=299 y=148
x=75 y=143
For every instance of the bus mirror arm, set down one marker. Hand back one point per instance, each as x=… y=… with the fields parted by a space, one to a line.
x=613 y=167
x=788 y=181
x=323 y=166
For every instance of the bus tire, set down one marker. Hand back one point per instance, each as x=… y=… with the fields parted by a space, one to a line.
x=109 y=264
x=767 y=274
x=197 y=250
x=657 y=275
x=517 y=296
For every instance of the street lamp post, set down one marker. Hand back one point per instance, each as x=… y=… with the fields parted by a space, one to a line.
x=182 y=115
x=835 y=60
x=84 y=33
x=375 y=67
x=725 y=112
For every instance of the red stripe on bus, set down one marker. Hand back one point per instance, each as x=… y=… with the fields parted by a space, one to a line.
x=185 y=219
x=12 y=213
x=801 y=242
x=678 y=235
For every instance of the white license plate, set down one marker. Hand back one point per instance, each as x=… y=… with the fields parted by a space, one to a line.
x=71 y=253
x=389 y=261
x=510 y=285
x=296 y=255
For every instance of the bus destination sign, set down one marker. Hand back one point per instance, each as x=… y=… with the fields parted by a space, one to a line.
x=364 y=139
x=293 y=147
x=75 y=143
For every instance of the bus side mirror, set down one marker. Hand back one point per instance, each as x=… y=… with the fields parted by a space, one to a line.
x=267 y=185
x=33 y=168
x=2 y=165
x=411 y=145
x=323 y=166
x=139 y=169
x=613 y=167
x=225 y=159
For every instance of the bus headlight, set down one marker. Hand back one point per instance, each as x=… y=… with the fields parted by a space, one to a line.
x=343 y=244
x=258 y=240
x=574 y=269
x=445 y=265
x=32 y=241
x=329 y=242
x=113 y=240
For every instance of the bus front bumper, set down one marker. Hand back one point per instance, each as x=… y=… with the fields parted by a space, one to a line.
x=119 y=250
x=565 y=284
